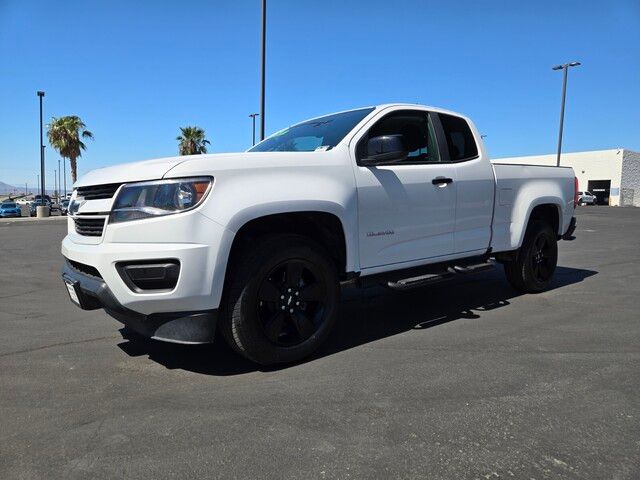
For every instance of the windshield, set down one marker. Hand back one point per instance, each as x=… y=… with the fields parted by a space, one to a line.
x=320 y=133
x=8 y=205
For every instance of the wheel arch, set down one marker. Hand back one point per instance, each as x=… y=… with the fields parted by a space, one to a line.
x=547 y=209
x=325 y=226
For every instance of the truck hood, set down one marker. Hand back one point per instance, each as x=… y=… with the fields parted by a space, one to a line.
x=159 y=168
x=130 y=172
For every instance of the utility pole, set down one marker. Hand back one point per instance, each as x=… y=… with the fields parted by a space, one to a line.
x=253 y=117
x=565 y=69
x=40 y=96
x=64 y=166
x=263 y=66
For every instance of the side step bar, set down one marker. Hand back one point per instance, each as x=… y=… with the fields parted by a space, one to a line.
x=431 y=278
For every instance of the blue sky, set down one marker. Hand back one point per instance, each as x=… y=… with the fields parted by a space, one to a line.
x=136 y=71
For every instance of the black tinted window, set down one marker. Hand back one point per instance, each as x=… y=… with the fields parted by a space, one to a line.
x=460 y=141
x=417 y=135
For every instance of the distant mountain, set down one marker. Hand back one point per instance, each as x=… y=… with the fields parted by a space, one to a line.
x=6 y=188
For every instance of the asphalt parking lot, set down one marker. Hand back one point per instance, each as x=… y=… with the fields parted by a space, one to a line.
x=466 y=379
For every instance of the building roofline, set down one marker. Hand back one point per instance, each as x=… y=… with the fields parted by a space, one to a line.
x=620 y=149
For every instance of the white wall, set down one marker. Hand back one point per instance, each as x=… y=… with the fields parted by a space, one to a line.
x=595 y=165
x=630 y=178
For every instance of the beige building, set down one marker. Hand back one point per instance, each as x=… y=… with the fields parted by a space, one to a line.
x=612 y=175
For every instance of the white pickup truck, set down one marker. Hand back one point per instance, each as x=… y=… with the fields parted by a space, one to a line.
x=257 y=244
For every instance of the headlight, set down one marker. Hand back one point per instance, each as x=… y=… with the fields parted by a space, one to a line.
x=162 y=197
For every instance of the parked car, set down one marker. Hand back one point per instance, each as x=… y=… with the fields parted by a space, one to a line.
x=46 y=197
x=257 y=244
x=587 y=198
x=64 y=207
x=37 y=203
x=23 y=201
x=10 y=209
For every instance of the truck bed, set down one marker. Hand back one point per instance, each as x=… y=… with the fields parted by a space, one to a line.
x=519 y=189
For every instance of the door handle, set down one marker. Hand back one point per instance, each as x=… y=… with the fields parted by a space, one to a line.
x=441 y=181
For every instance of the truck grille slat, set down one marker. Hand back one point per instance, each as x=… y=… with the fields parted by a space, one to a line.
x=89 y=227
x=98 y=192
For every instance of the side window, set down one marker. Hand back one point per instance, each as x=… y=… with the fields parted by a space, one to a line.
x=460 y=141
x=417 y=134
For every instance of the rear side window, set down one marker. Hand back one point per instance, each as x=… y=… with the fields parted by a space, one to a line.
x=460 y=141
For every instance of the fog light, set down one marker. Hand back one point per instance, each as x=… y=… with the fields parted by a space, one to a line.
x=150 y=276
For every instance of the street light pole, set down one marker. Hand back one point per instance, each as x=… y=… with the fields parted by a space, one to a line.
x=59 y=184
x=253 y=118
x=41 y=95
x=263 y=66
x=565 y=69
x=64 y=166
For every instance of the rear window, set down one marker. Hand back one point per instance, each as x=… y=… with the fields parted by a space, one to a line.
x=8 y=205
x=460 y=141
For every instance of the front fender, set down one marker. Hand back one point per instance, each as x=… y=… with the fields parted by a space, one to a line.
x=245 y=215
x=345 y=215
x=240 y=196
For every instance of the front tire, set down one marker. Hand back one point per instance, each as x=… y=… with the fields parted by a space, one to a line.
x=535 y=263
x=281 y=300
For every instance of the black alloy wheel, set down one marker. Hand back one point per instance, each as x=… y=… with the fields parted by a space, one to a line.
x=543 y=259
x=281 y=299
x=533 y=266
x=291 y=302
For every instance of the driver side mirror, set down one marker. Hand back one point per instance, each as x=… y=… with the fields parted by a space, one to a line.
x=384 y=149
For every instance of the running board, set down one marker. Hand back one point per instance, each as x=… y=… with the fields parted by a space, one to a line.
x=431 y=278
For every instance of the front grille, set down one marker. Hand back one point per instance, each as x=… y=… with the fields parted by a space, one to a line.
x=89 y=227
x=82 y=268
x=97 y=192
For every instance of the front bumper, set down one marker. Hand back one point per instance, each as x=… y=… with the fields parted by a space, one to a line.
x=177 y=327
x=200 y=246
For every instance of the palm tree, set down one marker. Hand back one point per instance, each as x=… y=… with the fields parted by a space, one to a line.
x=192 y=141
x=65 y=134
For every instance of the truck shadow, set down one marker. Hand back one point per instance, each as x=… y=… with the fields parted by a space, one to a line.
x=365 y=316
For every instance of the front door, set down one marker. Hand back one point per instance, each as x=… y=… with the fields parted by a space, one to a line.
x=406 y=210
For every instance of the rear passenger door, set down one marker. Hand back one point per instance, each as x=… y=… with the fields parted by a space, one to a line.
x=475 y=185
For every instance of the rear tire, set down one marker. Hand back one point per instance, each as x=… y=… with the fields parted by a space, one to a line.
x=534 y=265
x=281 y=299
